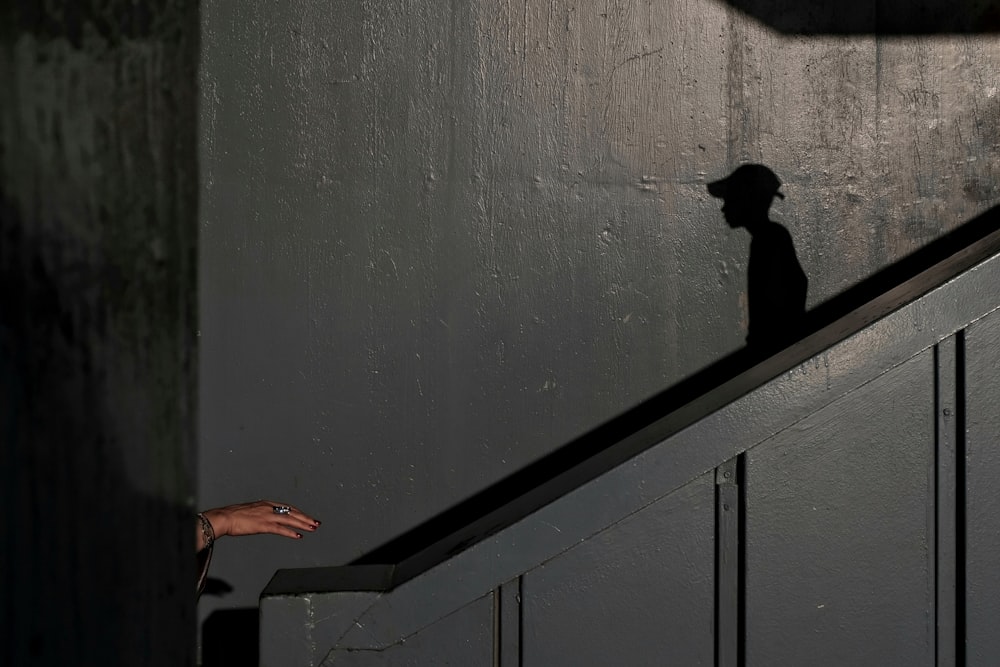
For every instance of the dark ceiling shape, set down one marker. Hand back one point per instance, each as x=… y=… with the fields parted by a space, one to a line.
x=875 y=17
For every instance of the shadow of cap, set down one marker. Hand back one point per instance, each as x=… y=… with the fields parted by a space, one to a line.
x=747 y=180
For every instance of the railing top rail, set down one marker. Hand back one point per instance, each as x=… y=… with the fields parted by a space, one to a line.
x=652 y=421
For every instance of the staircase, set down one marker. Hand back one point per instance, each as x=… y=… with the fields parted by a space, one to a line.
x=831 y=504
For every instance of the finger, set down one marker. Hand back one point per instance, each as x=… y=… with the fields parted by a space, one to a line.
x=305 y=517
x=302 y=525
x=301 y=517
x=295 y=512
x=285 y=531
x=298 y=523
x=274 y=505
x=294 y=519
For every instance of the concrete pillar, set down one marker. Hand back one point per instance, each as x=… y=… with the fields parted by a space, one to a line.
x=98 y=198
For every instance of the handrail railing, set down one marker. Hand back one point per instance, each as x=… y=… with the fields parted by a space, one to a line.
x=652 y=421
x=322 y=615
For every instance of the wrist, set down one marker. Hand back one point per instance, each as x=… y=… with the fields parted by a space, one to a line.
x=206 y=538
x=219 y=521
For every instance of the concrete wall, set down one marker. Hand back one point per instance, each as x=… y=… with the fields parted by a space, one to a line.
x=440 y=240
x=838 y=511
x=98 y=224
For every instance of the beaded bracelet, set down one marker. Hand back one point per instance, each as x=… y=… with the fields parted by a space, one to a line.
x=207 y=531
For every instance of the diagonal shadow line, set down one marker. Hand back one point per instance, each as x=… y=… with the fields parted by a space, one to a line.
x=610 y=444
x=890 y=18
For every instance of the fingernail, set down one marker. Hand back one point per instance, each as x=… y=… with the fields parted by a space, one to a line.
x=298 y=536
x=317 y=522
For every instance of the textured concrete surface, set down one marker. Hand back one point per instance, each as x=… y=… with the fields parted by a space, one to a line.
x=440 y=240
x=814 y=421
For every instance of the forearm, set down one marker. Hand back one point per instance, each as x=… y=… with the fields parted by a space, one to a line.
x=250 y=519
x=262 y=516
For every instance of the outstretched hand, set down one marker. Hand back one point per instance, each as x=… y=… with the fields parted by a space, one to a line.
x=258 y=518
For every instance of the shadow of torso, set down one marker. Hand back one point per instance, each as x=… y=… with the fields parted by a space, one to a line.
x=776 y=288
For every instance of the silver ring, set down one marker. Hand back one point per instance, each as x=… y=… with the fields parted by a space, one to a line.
x=281 y=509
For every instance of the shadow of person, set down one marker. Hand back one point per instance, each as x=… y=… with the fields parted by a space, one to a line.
x=776 y=283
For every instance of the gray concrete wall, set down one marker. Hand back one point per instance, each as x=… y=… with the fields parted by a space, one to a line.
x=98 y=224
x=440 y=240
x=851 y=519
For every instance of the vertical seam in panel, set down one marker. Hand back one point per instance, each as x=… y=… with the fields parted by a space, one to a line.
x=520 y=620
x=508 y=625
x=727 y=563
x=940 y=442
x=718 y=596
x=960 y=498
x=944 y=537
x=497 y=625
x=741 y=559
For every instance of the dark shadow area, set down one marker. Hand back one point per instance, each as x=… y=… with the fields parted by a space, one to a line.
x=628 y=434
x=94 y=570
x=878 y=17
x=776 y=283
x=97 y=378
x=229 y=637
x=216 y=587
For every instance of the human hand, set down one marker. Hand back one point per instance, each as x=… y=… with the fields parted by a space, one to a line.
x=259 y=517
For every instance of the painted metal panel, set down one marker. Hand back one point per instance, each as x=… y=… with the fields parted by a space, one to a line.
x=462 y=639
x=639 y=593
x=300 y=629
x=839 y=542
x=982 y=508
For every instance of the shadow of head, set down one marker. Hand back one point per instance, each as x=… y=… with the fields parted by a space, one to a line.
x=747 y=194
